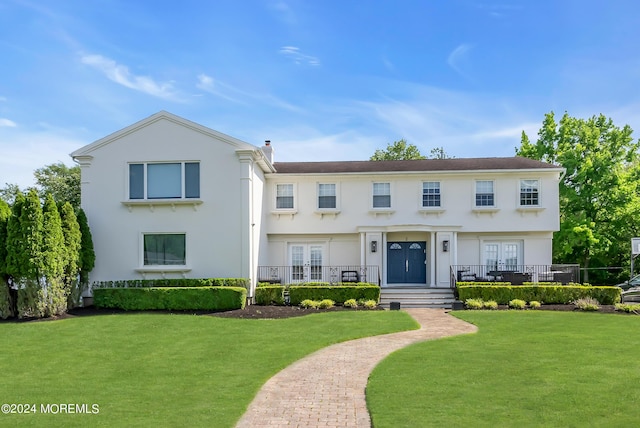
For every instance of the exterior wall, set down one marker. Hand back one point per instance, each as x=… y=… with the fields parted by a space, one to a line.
x=212 y=228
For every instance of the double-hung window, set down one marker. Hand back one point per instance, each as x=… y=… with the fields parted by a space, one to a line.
x=529 y=193
x=164 y=249
x=175 y=180
x=430 y=194
x=326 y=196
x=485 y=195
x=381 y=195
x=284 y=196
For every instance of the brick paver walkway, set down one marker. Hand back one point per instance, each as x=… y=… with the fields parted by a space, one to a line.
x=327 y=388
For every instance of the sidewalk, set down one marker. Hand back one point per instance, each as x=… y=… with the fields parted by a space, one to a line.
x=327 y=388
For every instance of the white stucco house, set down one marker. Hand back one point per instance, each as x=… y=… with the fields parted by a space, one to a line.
x=166 y=197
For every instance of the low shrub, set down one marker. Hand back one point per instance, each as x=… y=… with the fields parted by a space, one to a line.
x=517 y=304
x=334 y=284
x=338 y=294
x=587 y=304
x=270 y=295
x=308 y=303
x=370 y=304
x=551 y=294
x=326 y=304
x=474 y=303
x=171 y=298
x=628 y=307
x=491 y=304
x=534 y=304
x=174 y=282
x=351 y=303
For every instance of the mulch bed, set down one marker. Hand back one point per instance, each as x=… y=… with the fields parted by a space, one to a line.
x=265 y=312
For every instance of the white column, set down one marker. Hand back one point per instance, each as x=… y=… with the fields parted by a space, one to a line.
x=246 y=229
x=383 y=268
x=432 y=261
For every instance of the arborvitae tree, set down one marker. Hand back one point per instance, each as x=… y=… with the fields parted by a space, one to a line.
x=14 y=244
x=31 y=301
x=53 y=253
x=72 y=242
x=87 y=255
x=6 y=301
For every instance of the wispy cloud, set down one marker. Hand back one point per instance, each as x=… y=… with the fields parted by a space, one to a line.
x=284 y=12
x=298 y=57
x=458 y=57
x=230 y=93
x=120 y=74
x=7 y=123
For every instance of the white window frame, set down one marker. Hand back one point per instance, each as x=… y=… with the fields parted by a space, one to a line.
x=422 y=194
x=373 y=195
x=145 y=190
x=336 y=195
x=521 y=194
x=293 y=195
x=151 y=267
x=476 y=193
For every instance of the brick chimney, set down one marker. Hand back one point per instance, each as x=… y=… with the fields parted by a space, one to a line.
x=268 y=150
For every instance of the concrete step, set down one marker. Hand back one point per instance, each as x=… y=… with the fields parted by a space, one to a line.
x=417 y=297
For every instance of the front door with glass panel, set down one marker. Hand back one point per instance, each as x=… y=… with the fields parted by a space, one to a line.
x=406 y=263
x=306 y=262
x=502 y=256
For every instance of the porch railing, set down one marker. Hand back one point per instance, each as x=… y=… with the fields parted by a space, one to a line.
x=331 y=274
x=516 y=274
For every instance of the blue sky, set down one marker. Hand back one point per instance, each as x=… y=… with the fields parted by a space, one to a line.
x=323 y=80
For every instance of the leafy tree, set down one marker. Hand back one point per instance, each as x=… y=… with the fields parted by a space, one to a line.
x=9 y=192
x=53 y=253
x=398 y=150
x=599 y=195
x=72 y=243
x=87 y=255
x=27 y=271
x=61 y=181
x=438 y=153
x=6 y=297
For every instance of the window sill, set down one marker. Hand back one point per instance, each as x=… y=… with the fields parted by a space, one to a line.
x=289 y=212
x=524 y=210
x=485 y=210
x=381 y=211
x=153 y=203
x=324 y=212
x=163 y=270
x=431 y=211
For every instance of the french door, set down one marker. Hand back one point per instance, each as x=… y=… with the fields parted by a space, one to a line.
x=306 y=262
x=499 y=256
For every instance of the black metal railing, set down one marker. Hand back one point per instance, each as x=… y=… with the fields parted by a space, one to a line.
x=307 y=273
x=516 y=274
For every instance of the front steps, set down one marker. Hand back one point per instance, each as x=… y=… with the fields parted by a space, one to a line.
x=417 y=297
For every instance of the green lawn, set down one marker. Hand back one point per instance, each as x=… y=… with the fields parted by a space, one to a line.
x=530 y=368
x=159 y=369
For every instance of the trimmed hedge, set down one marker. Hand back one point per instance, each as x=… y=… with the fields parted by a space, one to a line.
x=337 y=293
x=171 y=298
x=333 y=284
x=174 y=282
x=550 y=294
x=270 y=295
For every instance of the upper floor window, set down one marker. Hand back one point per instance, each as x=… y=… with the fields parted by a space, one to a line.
x=326 y=195
x=381 y=195
x=164 y=249
x=164 y=180
x=529 y=193
x=485 y=196
x=284 y=196
x=431 y=194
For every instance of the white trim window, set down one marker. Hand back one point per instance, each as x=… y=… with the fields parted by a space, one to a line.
x=485 y=194
x=284 y=196
x=327 y=196
x=168 y=180
x=164 y=249
x=529 y=193
x=381 y=195
x=431 y=194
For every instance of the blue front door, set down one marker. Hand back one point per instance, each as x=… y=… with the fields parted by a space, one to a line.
x=406 y=262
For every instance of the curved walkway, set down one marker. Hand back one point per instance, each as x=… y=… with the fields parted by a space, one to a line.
x=327 y=388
